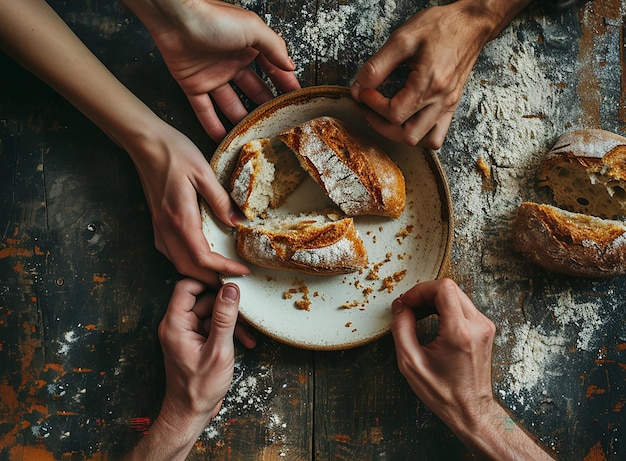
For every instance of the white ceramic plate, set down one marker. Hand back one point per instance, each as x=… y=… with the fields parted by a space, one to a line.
x=345 y=310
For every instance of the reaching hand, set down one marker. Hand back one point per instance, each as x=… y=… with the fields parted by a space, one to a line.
x=452 y=374
x=173 y=172
x=439 y=46
x=196 y=335
x=207 y=45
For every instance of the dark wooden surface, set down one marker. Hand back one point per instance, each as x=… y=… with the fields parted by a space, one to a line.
x=82 y=288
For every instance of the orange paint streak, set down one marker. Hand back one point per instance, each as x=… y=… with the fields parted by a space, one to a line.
x=621 y=347
x=19 y=267
x=341 y=438
x=21 y=453
x=67 y=413
x=82 y=370
x=619 y=404
x=15 y=252
x=595 y=454
x=594 y=390
x=99 y=278
x=54 y=366
x=38 y=251
x=90 y=327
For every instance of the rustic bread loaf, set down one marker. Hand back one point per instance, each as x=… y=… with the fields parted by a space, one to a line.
x=357 y=175
x=314 y=244
x=586 y=171
x=570 y=243
x=263 y=177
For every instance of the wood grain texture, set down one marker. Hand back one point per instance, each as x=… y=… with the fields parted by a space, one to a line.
x=82 y=288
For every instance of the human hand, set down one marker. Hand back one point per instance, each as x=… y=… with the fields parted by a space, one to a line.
x=173 y=172
x=209 y=44
x=452 y=374
x=196 y=336
x=439 y=46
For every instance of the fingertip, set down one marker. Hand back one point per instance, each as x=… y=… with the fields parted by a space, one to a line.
x=397 y=306
x=355 y=90
x=230 y=293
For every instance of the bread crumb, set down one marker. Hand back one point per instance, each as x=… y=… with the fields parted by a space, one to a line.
x=389 y=283
x=348 y=325
x=400 y=235
x=485 y=171
x=349 y=305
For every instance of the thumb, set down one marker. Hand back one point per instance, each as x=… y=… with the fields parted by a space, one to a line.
x=224 y=318
x=376 y=69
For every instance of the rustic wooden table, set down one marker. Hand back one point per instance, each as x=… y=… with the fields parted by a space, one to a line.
x=82 y=288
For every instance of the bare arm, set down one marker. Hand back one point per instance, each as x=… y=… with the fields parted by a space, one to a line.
x=196 y=335
x=452 y=374
x=172 y=169
x=440 y=46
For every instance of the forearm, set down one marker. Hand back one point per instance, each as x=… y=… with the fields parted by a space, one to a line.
x=170 y=438
x=34 y=35
x=493 y=15
x=493 y=434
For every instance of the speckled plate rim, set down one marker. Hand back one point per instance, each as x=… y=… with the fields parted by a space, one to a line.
x=305 y=96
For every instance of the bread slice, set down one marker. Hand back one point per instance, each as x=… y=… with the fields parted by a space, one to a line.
x=357 y=175
x=570 y=243
x=263 y=177
x=314 y=244
x=586 y=171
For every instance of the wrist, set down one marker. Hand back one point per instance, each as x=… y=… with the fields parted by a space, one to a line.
x=491 y=16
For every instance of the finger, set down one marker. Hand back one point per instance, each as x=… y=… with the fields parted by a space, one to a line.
x=436 y=136
x=404 y=332
x=204 y=304
x=204 y=110
x=442 y=295
x=229 y=103
x=252 y=86
x=245 y=336
x=377 y=69
x=184 y=296
x=270 y=45
x=224 y=318
x=389 y=131
x=422 y=122
x=209 y=188
x=284 y=80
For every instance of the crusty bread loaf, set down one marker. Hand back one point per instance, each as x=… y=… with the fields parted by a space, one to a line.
x=586 y=171
x=570 y=243
x=263 y=177
x=357 y=175
x=314 y=244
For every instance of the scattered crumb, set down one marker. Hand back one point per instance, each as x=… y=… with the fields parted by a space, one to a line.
x=348 y=325
x=373 y=275
x=390 y=282
x=485 y=171
x=304 y=304
x=349 y=305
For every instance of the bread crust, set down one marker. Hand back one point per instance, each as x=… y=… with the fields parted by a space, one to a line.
x=304 y=245
x=586 y=172
x=356 y=174
x=570 y=243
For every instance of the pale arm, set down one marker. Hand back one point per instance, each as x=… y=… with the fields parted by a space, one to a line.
x=172 y=170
